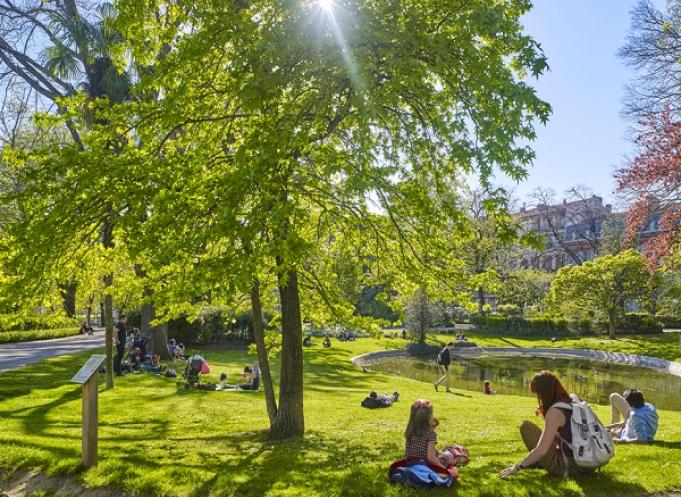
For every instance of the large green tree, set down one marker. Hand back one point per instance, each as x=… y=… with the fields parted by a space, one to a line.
x=525 y=288
x=290 y=120
x=601 y=286
x=282 y=124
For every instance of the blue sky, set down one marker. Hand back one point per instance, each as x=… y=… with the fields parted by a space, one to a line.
x=586 y=137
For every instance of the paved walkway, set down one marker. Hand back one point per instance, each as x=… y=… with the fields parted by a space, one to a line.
x=16 y=355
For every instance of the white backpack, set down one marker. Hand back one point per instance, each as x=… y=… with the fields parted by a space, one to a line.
x=591 y=443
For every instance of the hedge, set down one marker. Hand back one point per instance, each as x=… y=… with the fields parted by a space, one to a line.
x=631 y=323
x=17 y=322
x=31 y=335
x=518 y=326
x=635 y=324
x=213 y=327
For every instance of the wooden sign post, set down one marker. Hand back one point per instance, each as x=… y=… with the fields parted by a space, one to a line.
x=87 y=376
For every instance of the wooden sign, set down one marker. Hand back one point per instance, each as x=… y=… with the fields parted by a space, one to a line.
x=88 y=369
x=88 y=378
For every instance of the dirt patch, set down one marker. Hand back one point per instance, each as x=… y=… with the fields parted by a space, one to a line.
x=23 y=483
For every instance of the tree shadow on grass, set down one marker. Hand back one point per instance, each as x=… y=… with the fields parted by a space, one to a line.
x=539 y=482
x=667 y=445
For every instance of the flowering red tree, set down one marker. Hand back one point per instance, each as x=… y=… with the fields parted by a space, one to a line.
x=653 y=182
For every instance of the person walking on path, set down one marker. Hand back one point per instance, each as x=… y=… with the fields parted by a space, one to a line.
x=444 y=359
x=120 y=337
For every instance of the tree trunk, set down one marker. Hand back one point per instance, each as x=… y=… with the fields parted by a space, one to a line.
x=481 y=300
x=107 y=242
x=67 y=290
x=158 y=334
x=263 y=359
x=108 y=324
x=611 y=323
x=159 y=341
x=289 y=421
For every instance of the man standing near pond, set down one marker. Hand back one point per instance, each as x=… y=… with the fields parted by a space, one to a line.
x=120 y=337
x=444 y=359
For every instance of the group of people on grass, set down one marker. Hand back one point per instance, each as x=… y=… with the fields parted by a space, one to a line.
x=633 y=420
x=176 y=350
x=250 y=380
x=307 y=341
x=137 y=360
x=550 y=447
x=132 y=355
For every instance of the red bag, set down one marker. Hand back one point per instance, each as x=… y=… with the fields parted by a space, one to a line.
x=456 y=455
x=204 y=367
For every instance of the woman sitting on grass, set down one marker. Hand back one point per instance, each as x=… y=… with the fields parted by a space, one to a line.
x=252 y=379
x=546 y=450
x=420 y=436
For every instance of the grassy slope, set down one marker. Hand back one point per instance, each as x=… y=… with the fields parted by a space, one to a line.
x=31 y=335
x=156 y=439
x=664 y=345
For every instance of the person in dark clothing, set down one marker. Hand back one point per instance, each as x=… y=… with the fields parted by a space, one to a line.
x=252 y=379
x=444 y=359
x=120 y=337
x=375 y=400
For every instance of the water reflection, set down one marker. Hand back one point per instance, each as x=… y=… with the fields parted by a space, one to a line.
x=591 y=380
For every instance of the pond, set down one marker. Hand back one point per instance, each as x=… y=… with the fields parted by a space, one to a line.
x=591 y=380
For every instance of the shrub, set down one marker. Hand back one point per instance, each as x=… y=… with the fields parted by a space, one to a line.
x=31 y=335
x=635 y=323
x=669 y=322
x=509 y=310
x=518 y=326
x=549 y=326
x=17 y=322
x=212 y=326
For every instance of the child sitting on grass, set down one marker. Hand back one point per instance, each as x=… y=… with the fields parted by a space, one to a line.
x=223 y=381
x=487 y=390
x=420 y=436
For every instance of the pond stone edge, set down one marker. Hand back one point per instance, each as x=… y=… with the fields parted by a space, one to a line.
x=671 y=367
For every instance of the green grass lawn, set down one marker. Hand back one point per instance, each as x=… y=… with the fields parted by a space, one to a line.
x=156 y=439
x=663 y=345
x=31 y=335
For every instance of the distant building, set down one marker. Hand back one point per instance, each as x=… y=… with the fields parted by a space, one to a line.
x=571 y=230
x=575 y=232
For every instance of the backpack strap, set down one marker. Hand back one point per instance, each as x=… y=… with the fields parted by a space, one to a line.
x=566 y=462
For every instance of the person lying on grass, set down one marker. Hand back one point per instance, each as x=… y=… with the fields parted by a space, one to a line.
x=420 y=437
x=376 y=400
x=546 y=450
x=640 y=418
